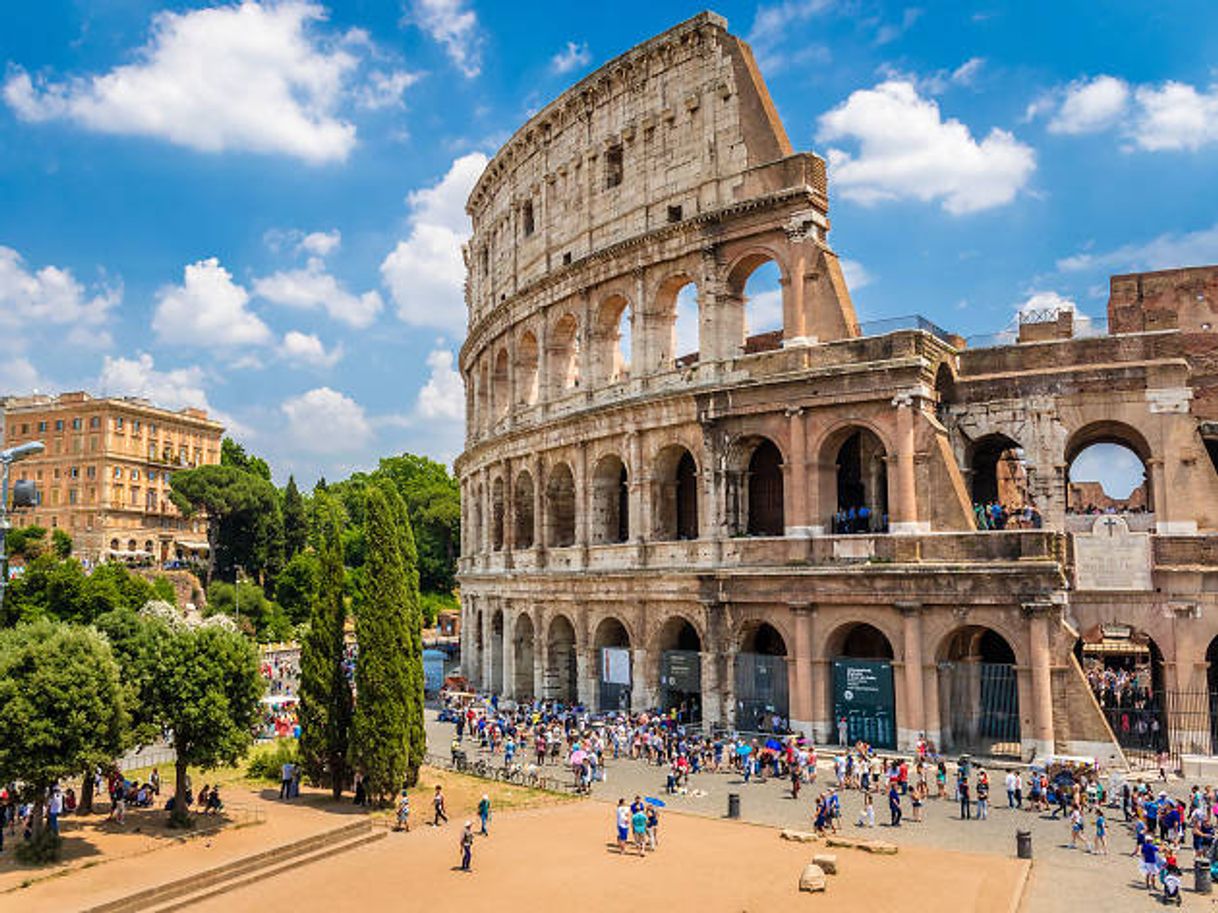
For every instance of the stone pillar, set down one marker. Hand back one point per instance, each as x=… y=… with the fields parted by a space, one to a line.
x=712 y=694
x=509 y=651
x=539 y=657
x=915 y=718
x=930 y=702
x=794 y=316
x=905 y=509
x=795 y=485
x=1190 y=673
x=640 y=317
x=585 y=679
x=803 y=712
x=640 y=692
x=539 y=545
x=583 y=497
x=488 y=647
x=1037 y=614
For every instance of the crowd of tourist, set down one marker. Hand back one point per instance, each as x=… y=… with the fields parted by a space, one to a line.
x=994 y=515
x=861 y=519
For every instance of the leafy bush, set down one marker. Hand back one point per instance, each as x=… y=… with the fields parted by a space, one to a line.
x=266 y=761
x=258 y=615
x=435 y=603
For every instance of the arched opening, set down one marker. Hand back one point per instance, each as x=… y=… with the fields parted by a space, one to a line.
x=495 y=659
x=561 y=671
x=560 y=507
x=610 y=355
x=610 y=501
x=755 y=287
x=1124 y=667
x=476 y=518
x=500 y=384
x=498 y=513
x=564 y=356
x=522 y=511
x=479 y=644
x=612 y=643
x=676 y=494
x=677 y=333
x=999 y=483
x=484 y=396
x=681 y=670
x=945 y=391
x=860 y=482
x=765 y=491
x=762 y=698
x=526 y=369
x=863 y=702
x=522 y=636
x=978 y=693
x=1106 y=471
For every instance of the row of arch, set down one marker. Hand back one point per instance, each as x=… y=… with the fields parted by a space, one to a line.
x=976 y=665
x=622 y=339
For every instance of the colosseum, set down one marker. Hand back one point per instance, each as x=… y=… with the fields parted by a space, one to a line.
x=662 y=509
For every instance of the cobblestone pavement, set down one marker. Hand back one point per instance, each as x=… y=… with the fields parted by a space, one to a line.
x=1062 y=879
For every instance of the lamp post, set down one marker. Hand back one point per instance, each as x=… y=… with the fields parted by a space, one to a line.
x=8 y=458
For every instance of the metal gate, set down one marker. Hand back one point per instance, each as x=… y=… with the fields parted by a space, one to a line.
x=681 y=683
x=982 y=701
x=761 y=691
x=863 y=696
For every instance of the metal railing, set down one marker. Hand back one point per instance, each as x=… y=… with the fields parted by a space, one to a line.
x=518 y=774
x=884 y=325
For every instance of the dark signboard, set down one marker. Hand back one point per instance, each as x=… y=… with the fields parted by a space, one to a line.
x=681 y=671
x=863 y=695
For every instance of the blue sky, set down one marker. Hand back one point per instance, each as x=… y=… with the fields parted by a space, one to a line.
x=259 y=207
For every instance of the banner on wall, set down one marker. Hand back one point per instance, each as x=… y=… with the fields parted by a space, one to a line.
x=615 y=665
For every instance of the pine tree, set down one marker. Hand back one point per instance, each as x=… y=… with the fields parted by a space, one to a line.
x=380 y=748
x=417 y=733
x=325 y=693
x=295 y=522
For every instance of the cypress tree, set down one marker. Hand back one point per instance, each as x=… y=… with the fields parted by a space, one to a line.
x=379 y=743
x=295 y=523
x=325 y=693
x=416 y=731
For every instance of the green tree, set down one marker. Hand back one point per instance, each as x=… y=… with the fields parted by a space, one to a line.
x=325 y=693
x=62 y=710
x=296 y=586
x=26 y=542
x=295 y=521
x=244 y=524
x=247 y=604
x=233 y=454
x=380 y=737
x=204 y=688
x=61 y=543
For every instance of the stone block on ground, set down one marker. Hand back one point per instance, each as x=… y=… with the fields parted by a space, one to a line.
x=879 y=847
x=848 y=842
x=813 y=878
x=827 y=862
x=798 y=836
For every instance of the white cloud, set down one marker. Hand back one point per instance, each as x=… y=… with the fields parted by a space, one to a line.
x=425 y=273
x=1090 y=106
x=1166 y=251
x=321 y=243
x=312 y=287
x=31 y=301
x=18 y=375
x=307 y=349
x=856 y=275
x=967 y=72
x=890 y=32
x=327 y=422
x=906 y=150
x=248 y=77
x=177 y=388
x=1175 y=116
x=1042 y=306
x=443 y=396
x=385 y=89
x=575 y=56
x=454 y=26
x=207 y=309
x=772 y=25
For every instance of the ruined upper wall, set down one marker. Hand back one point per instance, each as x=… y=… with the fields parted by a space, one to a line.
x=1184 y=299
x=663 y=132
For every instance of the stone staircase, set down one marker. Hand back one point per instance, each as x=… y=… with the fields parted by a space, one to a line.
x=1079 y=725
x=183 y=892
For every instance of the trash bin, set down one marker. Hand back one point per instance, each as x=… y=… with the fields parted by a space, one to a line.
x=1203 y=883
x=733 y=805
x=1023 y=844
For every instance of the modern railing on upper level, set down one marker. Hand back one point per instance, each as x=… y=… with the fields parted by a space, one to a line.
x=883 y=325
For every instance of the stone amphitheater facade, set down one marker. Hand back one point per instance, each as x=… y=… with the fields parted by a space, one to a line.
x=648 y=527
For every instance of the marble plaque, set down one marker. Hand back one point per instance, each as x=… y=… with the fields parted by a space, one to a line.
x=1110 y=557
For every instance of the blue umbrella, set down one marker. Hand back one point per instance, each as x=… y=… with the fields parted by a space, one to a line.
x=651 y=800
x=773 y=744
x=744 y=749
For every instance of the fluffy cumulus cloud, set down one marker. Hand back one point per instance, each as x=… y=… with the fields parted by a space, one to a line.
x=313 y=288
x=255 y=76
x=906 y=150
x=18 y=375
x=425 y=274
x=208 y=309
x=321 y=243
x=772 y=27
x=33 y=300
x=1165 y=251
x=324 y=421
x=308 y=350
x=575 y=56
x=443 y=396
x=454 y=26
x=385 y=89
x=1172 y=116
x=1090 y=105
x=177 y=388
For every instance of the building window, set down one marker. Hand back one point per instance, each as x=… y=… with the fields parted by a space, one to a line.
x=25 y=429
x=42 y=426
x=74 y=472
x=151 y=475
x=77 y=424
x=90 y=472
x=152 y=427
x=135 y=496
x=527 y=217
x=59 y=424
x=135 y=426
x=135 y=475
x=118 y=423
x=94 y=422
x=56 y=473
x=613 y=166
x=90 y=495
x=118 y=472
x=71 y=495
x=674 y=213
x=93 y=444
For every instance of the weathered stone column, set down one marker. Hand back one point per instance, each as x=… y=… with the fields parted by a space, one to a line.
x=801 y=688
x=539 y=545
x=1037 y=614
x=796 y=481
x=640 y=689
x=905 y=512
x=794 y=319
x=509 y=651
x=509 y=513
x=585 y=675
x=915 y=718
x=488 y=647
x=539 y=656
x=930 y=702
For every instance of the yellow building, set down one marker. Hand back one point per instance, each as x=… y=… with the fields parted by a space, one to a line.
x=104 y=476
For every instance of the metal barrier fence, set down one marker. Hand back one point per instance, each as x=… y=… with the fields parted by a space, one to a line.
x=1174 y=722
x=529 y=775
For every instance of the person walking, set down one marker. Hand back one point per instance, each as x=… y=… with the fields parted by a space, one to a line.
x=843 y=730
x=467 y=845
x=983 y=796
x=623 y=825
x=286 y=773
x=1012 y=783
x=894 y=804
x=484 y=813
x=1101 y=833
x=653 y=827
x=966 y=808
x=638 y=823
x=437 y=802
x=403 y=822
x=1076 y=828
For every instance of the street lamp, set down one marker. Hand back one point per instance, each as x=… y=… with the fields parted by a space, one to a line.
x=8 y=458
